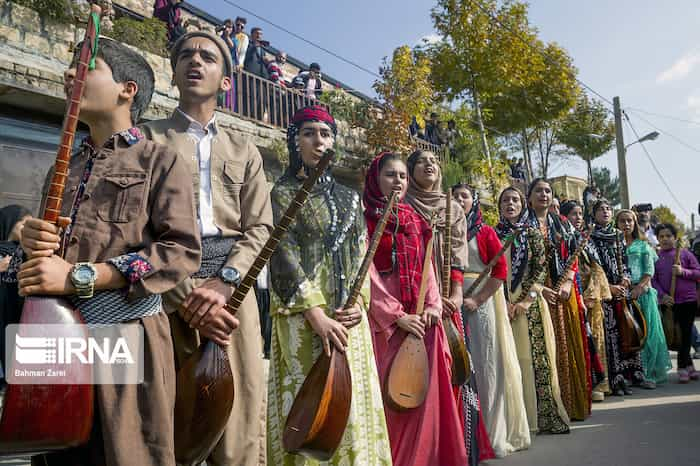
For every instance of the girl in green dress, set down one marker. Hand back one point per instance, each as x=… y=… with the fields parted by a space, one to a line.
x=312 y=271
x=641 y=258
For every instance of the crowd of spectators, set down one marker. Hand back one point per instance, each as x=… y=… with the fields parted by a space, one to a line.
x=252 y=54
x=438 y=132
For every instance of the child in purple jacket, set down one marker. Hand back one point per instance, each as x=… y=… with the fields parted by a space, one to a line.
x=684 y=300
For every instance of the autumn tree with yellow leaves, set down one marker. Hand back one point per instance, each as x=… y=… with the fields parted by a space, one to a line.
x=404 y=91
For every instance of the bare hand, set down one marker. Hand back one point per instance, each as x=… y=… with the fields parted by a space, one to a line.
x=208 y=297
x=550 y=296
x=617 y=291
x=431 y=315
x=449 y=307
x=330 y=330
x=40 y=238
x=5 y=263
x=636 y=292
x=666 y=300
x=470 y=304
x=413 y=324
x=45 y=275
x=349 y=317
x=217 y=325
x=677 y=270
x=565 y=290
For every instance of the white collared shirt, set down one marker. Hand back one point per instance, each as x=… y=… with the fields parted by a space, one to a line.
x=203 y=137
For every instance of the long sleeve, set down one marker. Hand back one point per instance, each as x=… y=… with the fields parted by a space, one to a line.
x=385 y=308
x=176 y=251
x=691 y=268
x=289 y=281
x=256 y=214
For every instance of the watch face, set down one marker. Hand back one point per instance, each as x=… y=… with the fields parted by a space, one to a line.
x=229 y=274
x=84 y=275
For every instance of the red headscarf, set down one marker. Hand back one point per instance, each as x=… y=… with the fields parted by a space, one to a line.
x=406 y=233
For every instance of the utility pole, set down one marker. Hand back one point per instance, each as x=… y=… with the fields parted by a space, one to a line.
x=621 y=162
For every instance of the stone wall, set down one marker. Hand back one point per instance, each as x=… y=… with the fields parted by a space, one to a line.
x=34 y=54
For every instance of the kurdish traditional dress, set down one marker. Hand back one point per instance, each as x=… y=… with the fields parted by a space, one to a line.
x=494 y=355
x=427 y=204
x=533 y=331
x=655 y=358
x=430 y=434
x=573 y=358
x=604 y=247
x=315 y=265
x=596 y=290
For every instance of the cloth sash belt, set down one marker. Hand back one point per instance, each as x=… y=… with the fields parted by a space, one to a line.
x=215 y=252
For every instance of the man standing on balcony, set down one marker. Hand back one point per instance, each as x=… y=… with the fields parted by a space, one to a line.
x=235 y=219
x=256 y=64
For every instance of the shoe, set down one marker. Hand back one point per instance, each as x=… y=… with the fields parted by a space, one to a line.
x=618 y=392
x=648 y=384
x=692 y=373
x=627 y=390
x=683 y=376
x=597 y=396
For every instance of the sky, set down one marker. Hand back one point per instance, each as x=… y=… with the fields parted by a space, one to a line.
x=645 y=52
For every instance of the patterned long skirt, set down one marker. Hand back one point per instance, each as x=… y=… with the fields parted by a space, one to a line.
x=621 y=366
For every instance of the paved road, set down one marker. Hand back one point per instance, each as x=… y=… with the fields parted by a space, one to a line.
x=648 y=428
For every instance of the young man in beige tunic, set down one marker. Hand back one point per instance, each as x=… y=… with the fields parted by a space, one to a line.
x=235 y=220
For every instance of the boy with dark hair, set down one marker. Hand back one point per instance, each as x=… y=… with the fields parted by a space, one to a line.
x=684 y=300
x=235 y=220
x=131 y=235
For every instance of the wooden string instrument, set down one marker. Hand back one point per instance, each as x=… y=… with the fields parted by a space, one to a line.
x=204 y=395
x=318 y=417
x=461 y=363
x=572 y=259
x=409 y=374
x=40 y=418
x=485 y=273
x=672 y=329
x=630 y=319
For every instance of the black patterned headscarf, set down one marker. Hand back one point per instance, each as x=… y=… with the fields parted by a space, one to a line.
x=519 y=248
x=317 y=113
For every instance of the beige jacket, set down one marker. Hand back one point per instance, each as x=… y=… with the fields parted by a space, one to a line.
x=240 y=195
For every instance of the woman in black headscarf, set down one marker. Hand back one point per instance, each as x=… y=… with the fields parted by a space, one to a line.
x=566 y=307
x=12 y=217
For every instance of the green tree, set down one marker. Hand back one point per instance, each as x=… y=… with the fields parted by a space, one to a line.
x=588 y=131
x=404 y=90
x=609 y=186
x=664 y=214
x=478 y=58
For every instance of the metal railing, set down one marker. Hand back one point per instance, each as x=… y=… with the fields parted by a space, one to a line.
x=441 y=151
x=263 y=101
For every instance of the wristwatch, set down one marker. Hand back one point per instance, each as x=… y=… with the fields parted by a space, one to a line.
x=83 y=275
x=230 y=276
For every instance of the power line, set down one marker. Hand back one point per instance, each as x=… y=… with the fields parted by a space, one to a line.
x=480 y=6
x=676 y=138
x=656 y=169
x=303 y=39
x=661 y=115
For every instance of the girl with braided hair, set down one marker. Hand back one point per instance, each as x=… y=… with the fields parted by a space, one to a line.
x=312 y=272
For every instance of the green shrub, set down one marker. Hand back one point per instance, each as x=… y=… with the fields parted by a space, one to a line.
x=59 y=11
x=150 y=34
